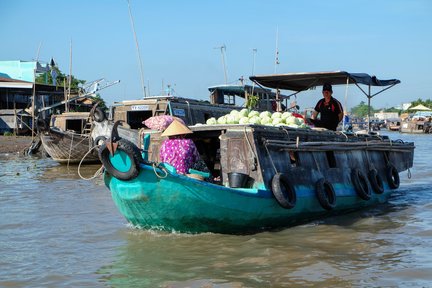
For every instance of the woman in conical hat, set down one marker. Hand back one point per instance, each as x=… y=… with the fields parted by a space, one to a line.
x=176 y=128
x=179 y=152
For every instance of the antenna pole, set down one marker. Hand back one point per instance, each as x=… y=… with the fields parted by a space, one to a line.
x=222 y=48
x=277 y=49
x=70 y=78
x=37 y=54
x=138 y=51
x=254 y=51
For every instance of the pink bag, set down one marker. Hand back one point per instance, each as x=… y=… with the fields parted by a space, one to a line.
x=161 y=122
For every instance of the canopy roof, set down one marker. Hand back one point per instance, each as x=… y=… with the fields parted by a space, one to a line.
x=238 y=90
x=303 y=81
x=420 y=107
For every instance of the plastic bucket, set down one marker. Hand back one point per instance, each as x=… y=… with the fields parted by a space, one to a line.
x=237 y=180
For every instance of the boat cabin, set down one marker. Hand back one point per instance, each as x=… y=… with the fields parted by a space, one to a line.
x=267 y=100
x=191 y=111
x=76 y=122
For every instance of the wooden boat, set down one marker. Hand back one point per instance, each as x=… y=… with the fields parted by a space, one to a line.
x=270 y=177
x=416 y=127
x=223 y=99
x=393 y=124
x=70 y=137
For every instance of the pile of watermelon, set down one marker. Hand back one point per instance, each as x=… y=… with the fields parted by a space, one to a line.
x=246 y=116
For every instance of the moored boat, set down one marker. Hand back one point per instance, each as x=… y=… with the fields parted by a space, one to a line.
x=70 y=137
x=267 y=177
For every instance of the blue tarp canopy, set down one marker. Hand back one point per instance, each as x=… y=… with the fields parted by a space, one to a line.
x=238 y=90
x=304 y=81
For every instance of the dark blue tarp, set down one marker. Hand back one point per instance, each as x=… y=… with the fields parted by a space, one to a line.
x=304 y=81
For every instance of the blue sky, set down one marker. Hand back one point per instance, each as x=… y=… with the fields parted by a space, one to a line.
x=177 y=40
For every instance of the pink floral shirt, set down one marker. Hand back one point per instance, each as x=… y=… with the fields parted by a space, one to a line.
x=180 y=153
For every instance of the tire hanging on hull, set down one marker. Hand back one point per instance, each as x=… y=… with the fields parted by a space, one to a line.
x=392 y=176
x=124 y=164
x=360 y=183
x=325 y=194
x=283 y=191
x=376 y=181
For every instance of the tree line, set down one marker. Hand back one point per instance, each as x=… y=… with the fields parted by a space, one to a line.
x=361 y=110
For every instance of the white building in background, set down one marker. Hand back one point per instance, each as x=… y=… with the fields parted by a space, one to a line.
x=386 y=115
x=403 y=106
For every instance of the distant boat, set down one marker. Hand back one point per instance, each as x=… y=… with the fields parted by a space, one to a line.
x=70 y=138
x=416 y=126
x=266 y=177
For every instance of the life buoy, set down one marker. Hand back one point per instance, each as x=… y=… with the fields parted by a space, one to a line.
x=360 y=184
x=376 y=181
x=98 y=115
x=99 y=141
x=283 y=191
x=392 y=176
x=325 y=194
x=124 y=164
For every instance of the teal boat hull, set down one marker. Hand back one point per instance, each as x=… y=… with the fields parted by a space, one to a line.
x=164 y=200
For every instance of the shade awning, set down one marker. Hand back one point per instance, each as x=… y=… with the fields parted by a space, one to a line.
x=306 y=80
x=420 y=107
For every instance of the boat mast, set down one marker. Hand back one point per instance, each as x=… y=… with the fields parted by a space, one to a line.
x=138 y=51
x=277 y=50
x=34 y=93
x=369 y=107
x=69 y=79
x=223 y=48
x=254 y=51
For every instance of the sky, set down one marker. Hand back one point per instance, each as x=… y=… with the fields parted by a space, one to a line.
x=179 y=43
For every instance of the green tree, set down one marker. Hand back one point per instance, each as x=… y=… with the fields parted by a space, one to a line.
x=46 y=78
x=102 y=103
x=393 y=109
x=361 y=110
x=427 y=103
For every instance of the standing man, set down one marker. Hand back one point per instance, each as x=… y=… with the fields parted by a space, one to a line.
x=329 y=108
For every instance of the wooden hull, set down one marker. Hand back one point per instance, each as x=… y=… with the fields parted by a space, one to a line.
x=68 y=147
x=419 y=127
x=178 y=203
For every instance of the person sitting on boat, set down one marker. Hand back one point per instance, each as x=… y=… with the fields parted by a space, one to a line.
x=178 y=151
x=330 y=109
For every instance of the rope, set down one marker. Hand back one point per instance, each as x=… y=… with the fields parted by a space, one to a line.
x=161 y=168
x=97 y=173
x=270 y=157
x=70 y=151
x=251 y=148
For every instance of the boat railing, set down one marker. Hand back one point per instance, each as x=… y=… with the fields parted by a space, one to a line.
x=339 y=146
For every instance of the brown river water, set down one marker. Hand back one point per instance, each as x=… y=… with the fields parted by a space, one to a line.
x=58 y=230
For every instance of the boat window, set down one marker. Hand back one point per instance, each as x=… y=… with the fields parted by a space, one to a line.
x=293 y=158
x=331 y=159
x=135 y=118
x=76 y=125
x=209 y=149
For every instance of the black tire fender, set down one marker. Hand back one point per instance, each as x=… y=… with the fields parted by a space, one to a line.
x=99 y=140
x=376 y=181
x=360 y=183
x=325 y=194
x=392 y=176
x=283 y=191
x=130 y=156
x=98 y=115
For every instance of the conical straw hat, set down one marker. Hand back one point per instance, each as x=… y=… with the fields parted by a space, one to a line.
x=176 y=128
